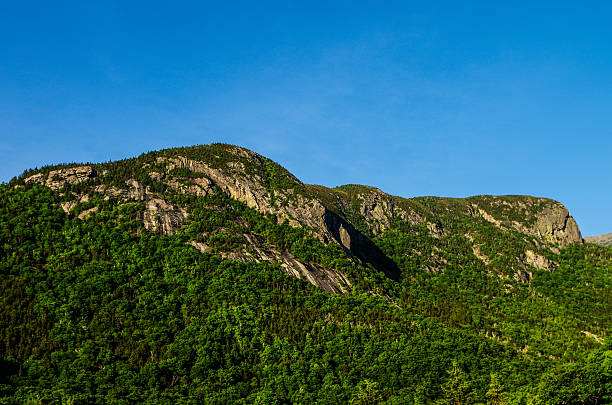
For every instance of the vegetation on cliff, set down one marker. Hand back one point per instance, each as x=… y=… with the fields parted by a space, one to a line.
x=212 y=275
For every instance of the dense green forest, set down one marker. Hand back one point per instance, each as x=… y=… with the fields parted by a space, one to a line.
x=98 y=308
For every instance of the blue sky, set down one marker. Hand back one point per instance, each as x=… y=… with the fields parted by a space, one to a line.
x=449 y=99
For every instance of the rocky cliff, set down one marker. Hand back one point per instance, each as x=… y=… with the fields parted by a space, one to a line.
x=604 y=240
x=357 y=218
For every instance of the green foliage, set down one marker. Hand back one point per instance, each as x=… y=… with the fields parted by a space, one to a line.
x=456 y=391
x=96 y=313
x=367 y=394
x=495 y=395
x=513 y=208
x=588 y=381
x=186 y=173
x=99 y=310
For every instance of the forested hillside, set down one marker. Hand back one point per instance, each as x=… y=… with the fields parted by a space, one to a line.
x=210 y=274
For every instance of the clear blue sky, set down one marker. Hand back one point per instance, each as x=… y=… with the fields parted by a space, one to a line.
x=452 y=99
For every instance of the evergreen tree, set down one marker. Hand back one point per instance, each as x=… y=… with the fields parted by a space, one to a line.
x=495 y=394
x=456 y=390
x=367 y=393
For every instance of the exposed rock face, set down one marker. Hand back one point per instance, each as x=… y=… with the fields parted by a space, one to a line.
x=201 y=186
x=351 y=216
x=435 y=229
x=552 y=223
x=298 y=210
x=538 y=261
x=87 y=212
x=250 y=189
x=162 y=217
x=68 y=205
x=135 y=191
x=376 y=207
x=345 y=237
x=56 y=179
x=522 y=276
x=357 y=243
x=485 y=259
x=324 y=278
x=488 y=217
x=604 y=240
x=557 y=225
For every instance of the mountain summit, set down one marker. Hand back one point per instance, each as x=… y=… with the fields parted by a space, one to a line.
x=210 y=274
x=351 y=216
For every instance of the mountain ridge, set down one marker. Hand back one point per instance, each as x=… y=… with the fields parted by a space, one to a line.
x=604 y=239
x=349 y=215
x=211 y=274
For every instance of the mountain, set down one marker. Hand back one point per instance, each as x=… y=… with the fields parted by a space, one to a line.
x=351 y=216
x=212 y=274
x=604 y=240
